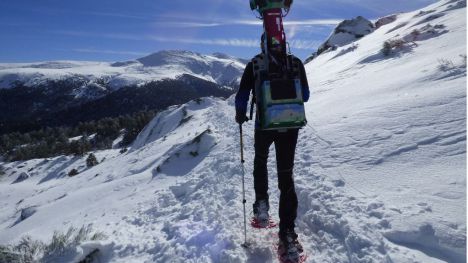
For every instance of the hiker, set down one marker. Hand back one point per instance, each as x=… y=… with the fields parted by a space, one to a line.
x=284 y=139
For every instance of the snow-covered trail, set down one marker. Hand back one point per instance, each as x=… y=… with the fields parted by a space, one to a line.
x=202 y=217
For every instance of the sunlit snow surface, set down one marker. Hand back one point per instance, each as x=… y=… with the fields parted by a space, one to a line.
x=380 y=169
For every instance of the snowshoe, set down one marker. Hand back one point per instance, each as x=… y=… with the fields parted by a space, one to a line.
x=261 y=218
x=289 y=248
x=255 y=223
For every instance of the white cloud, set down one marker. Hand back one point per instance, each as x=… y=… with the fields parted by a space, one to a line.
x=108 y=51
x=291 y=31
x=304 y=44
x=233 y=42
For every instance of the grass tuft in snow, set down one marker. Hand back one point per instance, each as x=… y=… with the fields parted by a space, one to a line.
x=29 y=250
x=447 y=65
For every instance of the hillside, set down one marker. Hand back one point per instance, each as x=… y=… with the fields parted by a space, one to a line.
x=380 y=168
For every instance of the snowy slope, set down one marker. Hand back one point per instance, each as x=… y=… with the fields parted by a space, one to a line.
x=217 y=68
x=380 y=169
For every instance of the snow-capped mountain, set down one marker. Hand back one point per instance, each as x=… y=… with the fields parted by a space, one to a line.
x=65 y=93
x=380 y=169
x=218 y=68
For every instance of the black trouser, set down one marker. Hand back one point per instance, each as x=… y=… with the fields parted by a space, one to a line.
x=285 y=146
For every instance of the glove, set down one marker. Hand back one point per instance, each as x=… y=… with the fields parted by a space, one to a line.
x=241 y=118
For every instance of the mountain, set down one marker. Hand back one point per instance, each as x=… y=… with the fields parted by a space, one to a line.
x=65 y=93
x=380 y=170
x=218 y=68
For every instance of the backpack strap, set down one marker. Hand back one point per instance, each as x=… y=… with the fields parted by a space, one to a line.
x=295 y=66
x=259 y=69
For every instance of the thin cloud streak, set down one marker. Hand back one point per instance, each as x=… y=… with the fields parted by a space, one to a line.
x=310 y=22
x=233 y=42
x=96 y=35
x=187 y=24
x=315 y=22
x=117 y=15
x=108 y=51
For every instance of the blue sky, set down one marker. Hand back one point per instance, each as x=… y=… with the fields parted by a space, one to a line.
x=117 y=30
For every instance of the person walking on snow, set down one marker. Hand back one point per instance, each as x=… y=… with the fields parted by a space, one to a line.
x=285 y=145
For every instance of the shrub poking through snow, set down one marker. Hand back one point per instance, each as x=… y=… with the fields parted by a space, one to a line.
x=73 y=172
x=61 y=244
x=452 y=68
x=2 y=170
x=91 y=160
x=27 y=250
x=392 y=44
x=445 y=65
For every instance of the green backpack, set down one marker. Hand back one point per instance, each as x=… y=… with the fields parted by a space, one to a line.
x=279 y=101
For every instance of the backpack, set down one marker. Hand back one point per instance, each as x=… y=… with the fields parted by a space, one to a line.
x=278 y=97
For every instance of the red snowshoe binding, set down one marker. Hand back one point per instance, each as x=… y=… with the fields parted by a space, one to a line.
x=261 y=218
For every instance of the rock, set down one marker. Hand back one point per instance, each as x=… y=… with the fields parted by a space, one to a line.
x=347 y=32
x=385 y=21
x=27 y=212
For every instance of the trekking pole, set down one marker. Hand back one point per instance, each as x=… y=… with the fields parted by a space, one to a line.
x=245 y=245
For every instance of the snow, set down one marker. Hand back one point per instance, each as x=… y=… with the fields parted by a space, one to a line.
x=164 y=64
x=380 y=169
